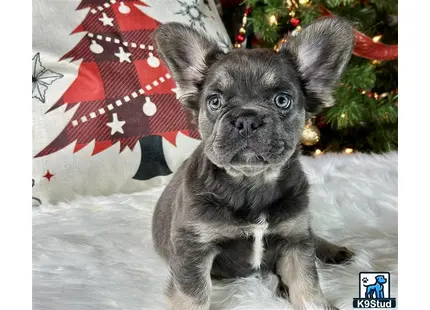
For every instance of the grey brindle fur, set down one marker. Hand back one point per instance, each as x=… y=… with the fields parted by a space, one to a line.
x=239 y=204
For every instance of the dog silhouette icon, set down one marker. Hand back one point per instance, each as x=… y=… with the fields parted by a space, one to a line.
x=376 y=290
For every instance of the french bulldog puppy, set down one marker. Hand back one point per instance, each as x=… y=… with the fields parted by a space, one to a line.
x=239 y=204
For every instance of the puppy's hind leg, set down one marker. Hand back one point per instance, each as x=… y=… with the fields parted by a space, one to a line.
x=330 y=253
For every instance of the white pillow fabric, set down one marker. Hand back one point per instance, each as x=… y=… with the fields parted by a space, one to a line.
x=106 y=117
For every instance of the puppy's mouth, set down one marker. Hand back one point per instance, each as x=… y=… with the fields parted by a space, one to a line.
x=247 y=156
x=247 y=162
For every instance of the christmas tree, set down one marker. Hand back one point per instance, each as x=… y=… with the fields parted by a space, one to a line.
x=365 y=116
x=123 y=92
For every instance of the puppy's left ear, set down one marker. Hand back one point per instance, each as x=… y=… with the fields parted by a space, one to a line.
x=321 y=52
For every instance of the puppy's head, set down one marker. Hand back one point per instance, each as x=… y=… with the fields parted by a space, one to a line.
x=251 y=105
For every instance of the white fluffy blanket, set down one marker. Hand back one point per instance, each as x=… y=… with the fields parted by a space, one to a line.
x=96 y=253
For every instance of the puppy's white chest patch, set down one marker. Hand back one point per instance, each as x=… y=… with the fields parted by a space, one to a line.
x=258 y=232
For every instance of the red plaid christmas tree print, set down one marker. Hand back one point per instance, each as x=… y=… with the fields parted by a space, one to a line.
x=123 y=90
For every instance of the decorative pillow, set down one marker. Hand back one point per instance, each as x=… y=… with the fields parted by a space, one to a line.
x=105 y=112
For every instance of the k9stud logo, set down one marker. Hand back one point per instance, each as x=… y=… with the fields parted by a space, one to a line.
x=374 y=291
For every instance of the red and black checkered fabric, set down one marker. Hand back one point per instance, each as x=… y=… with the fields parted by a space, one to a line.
x=105 y=85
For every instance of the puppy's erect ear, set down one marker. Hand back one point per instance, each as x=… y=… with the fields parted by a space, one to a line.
x=321 y=52
x=188 y=54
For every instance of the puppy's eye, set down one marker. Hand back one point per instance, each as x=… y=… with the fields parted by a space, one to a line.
x=283 y=100
x=214 y=102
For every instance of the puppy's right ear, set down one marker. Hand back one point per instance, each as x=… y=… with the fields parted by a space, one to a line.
x=187 y=54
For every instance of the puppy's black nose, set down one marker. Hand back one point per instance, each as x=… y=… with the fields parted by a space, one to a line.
x=247 y=124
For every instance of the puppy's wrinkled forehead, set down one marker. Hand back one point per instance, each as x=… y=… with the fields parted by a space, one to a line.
x=251 y=72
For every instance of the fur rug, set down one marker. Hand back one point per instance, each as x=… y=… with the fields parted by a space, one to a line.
x=96 y=252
